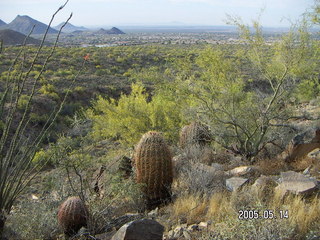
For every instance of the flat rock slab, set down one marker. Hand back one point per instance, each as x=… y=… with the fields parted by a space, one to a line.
x=297 y=183
x=143 y=229
x=235 y=183
x=243 y=171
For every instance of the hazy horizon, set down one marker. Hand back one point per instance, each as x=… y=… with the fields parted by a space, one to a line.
x=100 y=13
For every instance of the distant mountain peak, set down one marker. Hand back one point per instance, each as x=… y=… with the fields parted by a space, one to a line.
x=24 y=24
x=23 y=16
x=69 y=27
x=113 y=30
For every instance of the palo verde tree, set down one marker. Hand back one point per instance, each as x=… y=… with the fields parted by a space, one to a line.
x=315 y=13
x=243 y=95
x=17 y=147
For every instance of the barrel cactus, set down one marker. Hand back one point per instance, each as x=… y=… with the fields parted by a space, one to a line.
x=195 y=133
x=153 y=164
x=72 y=215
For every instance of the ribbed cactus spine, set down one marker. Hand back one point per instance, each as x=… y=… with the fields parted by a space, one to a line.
x=195 y=133
x=72 y=215
x=153 y=163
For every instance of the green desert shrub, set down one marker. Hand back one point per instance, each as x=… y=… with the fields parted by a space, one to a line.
x=23 y=101
x=38 y=119
x=308 y=89
x=58 y=153
x=40 y=157
x=49 y=90
x=132 y=115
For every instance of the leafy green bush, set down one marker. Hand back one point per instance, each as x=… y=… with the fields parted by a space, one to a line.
x=40 y=157
x=49 y=90
x=132 y=115
x=308 y=89
x=38 y=119
x=57 y=152
x=23 y=101
x=70 y=109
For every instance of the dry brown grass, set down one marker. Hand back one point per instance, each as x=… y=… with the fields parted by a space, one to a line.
x=222 y=208
x=219 y=207
x=190 y=209
x=303 y=213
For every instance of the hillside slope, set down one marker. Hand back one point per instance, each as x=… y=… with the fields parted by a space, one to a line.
x=2 y=23
x=10 y=37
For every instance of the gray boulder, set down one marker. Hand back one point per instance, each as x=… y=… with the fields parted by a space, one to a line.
x=297 y=183
x=235 y=183
x=143 y=229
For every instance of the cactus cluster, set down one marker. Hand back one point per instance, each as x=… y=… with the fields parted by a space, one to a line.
x=153 y=164
x=195 y=133
x=72 y=215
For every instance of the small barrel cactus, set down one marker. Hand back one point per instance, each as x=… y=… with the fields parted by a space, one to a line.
x=72 y=215
x=195 y=133
x=153 y=163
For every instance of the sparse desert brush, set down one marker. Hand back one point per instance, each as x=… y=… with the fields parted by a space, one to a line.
x=302 y=163
x=244 y=199
x=271 y=166
x=33 y=219
x=198 y=153
x=195 y=177
x=190 y=208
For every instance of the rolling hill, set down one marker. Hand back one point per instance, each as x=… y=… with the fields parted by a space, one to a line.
x=10 y=37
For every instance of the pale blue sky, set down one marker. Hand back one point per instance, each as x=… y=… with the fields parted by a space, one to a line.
x=152 y=12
